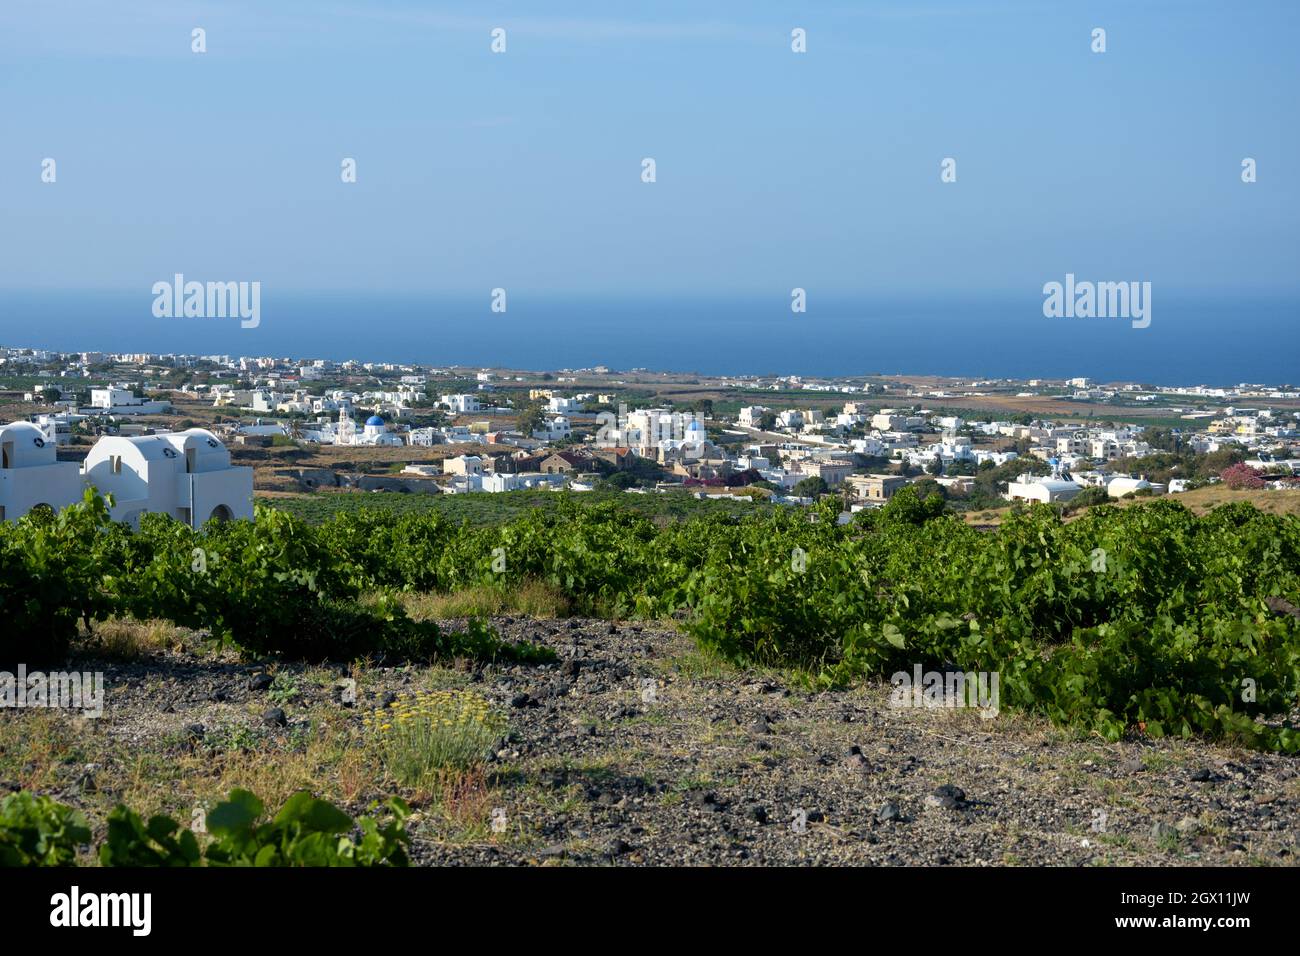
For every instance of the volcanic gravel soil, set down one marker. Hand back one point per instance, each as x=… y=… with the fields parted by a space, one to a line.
x=634 y=749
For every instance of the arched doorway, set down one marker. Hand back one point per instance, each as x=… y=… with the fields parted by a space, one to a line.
x=221 y=514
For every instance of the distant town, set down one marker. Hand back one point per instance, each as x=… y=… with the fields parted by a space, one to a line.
x=199 y=437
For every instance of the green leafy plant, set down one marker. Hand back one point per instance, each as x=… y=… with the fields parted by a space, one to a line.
x=37 y=831
x=160 y=842
x=306 y=832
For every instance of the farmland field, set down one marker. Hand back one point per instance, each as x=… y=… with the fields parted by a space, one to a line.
x=488 y=509
x=633 y=689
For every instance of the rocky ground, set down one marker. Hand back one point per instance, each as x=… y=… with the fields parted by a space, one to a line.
x=634 y=749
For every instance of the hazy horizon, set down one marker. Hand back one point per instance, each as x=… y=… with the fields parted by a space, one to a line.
x=1192 y=342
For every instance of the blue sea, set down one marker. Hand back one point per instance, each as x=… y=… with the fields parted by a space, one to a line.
x=1191 y=342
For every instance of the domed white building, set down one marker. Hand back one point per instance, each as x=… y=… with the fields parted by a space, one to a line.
x=374 y=432
x=186 y=474
x=31 y=474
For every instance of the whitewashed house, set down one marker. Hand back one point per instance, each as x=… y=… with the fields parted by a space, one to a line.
x=31 y=475
x=1030 y=488
x=559 y=405
x=122 y=401
x=463 y=465
x=423 y=437
x=460 y=404
x=112 y=397
x=186 y=474
x=791 y=418
x=556 y=429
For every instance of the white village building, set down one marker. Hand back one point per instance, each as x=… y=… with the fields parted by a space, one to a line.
x=31 y=475
x=122 y=401
x=1030 y=488
x=186 y=474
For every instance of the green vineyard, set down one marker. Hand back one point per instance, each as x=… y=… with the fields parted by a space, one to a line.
x=1144 y=618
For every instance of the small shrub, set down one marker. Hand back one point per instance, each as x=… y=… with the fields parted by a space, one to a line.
x=284 y=689
x=425 y=736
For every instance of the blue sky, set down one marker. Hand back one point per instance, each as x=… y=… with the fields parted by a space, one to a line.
x=775 y=170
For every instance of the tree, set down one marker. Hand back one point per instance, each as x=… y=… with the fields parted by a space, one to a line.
x=620 y=480
x=814 y=486
x=936 y=466
x=530 y=418
x=1215 y=462
x=767 y=421
x=927 y=488
x=907 y=506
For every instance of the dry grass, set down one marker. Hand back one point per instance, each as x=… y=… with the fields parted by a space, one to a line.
x=460 y=801
x=34 y=745
x=332 y=762
x=274 y=468
x=531 y=599
x=125 y=639
x=1201 y=501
